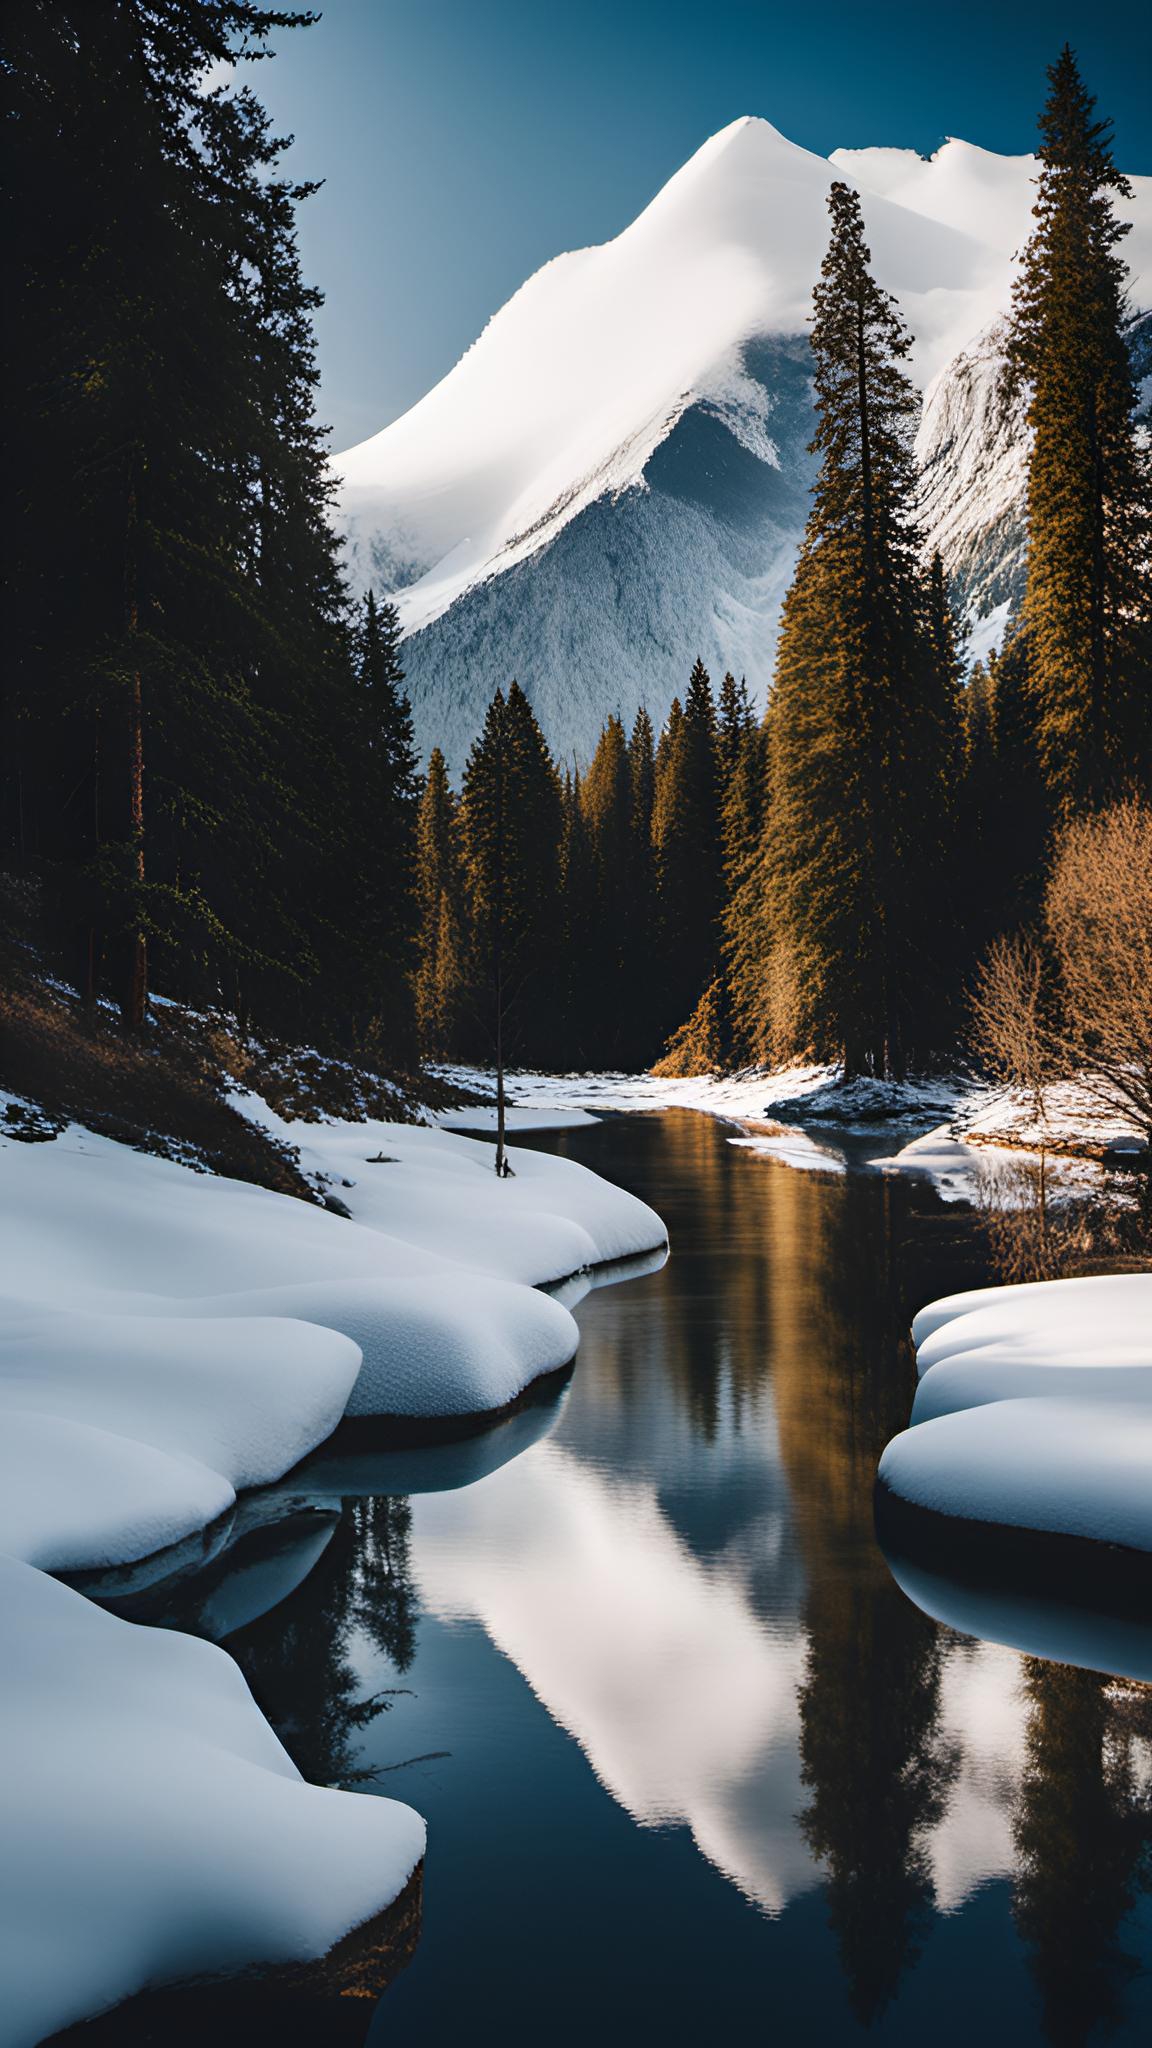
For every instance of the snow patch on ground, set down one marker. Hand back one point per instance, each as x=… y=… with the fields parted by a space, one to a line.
x=1074 y=1120
x=434 y=1274
x=154 y=1827
x=953 y=1167
x=1034 y=1409
x=122 y=1433
x=166 y=1338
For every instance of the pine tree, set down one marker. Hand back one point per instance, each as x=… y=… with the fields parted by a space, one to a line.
x=607 y=801
x=585 y=992
x=377 y=845
x=643 y=1020
x=1087 y=609
x=735 y=724
x=440 y=973
x=390 y=713
x=700 y=1046
x=642 y=770
x=855 y=738
x=667 y=750
x=686 y=833
x=742 y=824
x=1007 y=816
x=511 y=820
x=606 y=795
x=181 y=679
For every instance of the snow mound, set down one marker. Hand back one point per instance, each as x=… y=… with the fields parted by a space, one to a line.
x=166 y=1338
x=162 y=1831
x=1034 y=1409
x=435 y=1193
x=122 y=1434
x=456 y=1345
x=178 y=1286
x=951 y=1165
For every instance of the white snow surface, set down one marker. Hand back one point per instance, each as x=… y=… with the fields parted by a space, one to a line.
x=166 y=1338
x=1034 y=1409
x=184 y=1289
x=576 y=381
x=154 y=1827
x=122 y=1433
x=953 y=1167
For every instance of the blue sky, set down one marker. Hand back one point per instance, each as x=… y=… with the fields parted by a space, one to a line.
x=464 y=142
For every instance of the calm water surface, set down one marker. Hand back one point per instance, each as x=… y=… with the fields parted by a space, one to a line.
x=694 y=1767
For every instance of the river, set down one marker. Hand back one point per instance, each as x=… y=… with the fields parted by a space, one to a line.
x=694 y=1768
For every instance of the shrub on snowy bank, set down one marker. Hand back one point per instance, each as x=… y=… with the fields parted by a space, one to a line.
x=1073 y=1001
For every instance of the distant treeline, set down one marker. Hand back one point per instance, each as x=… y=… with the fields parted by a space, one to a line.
x=209 y=784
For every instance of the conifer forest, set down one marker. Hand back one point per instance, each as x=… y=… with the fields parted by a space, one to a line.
x=209 y=763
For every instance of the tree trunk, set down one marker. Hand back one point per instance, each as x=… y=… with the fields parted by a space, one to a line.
x=502 y=1166
x=134 y=1003
x=136 y=1007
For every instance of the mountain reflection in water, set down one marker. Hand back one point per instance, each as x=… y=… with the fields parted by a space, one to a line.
x=695 y=1766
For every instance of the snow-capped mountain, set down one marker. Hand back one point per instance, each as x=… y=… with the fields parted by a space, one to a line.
x=614 y=477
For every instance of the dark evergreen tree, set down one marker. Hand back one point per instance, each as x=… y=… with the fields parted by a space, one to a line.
x=585 y=994
x=642 y=770
x=381 y=678
x=441 y=969
x=742 y=814
x=665 y=752
x=181 y=688
x=646 y=1020
x=378 y=842
x=735 y=724
x=1088 y=608
x=511 y=819
x=857 y=752
x=686 y=832
x=614 y=962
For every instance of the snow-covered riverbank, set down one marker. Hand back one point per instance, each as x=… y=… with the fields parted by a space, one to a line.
x=168 y=1338
x=1034 y=1410
x=797 y=1114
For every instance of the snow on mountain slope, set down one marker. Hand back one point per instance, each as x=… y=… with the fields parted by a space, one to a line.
x=614 y=477
x=987 y=196
x=972 y=448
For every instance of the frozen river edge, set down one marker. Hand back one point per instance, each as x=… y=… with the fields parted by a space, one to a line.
x=166 y=1340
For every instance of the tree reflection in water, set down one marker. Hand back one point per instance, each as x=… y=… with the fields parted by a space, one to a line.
x=872 y=1752
x=296 y=1657
x=743 y=1399
x=1084 y=1838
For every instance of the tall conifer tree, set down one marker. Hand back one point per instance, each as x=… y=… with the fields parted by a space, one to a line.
x=511 y=823
x=855 y=737
x=1087 y=609
x=440 y=972
x=686 y=831
x=606 y=798
x=180 y=678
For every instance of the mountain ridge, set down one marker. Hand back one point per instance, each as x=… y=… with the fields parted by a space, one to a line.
x=556 y=417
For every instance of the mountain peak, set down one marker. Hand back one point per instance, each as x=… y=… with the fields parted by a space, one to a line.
x=565 y=399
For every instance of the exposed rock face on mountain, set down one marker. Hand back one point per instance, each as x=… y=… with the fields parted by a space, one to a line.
x=615 y=476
